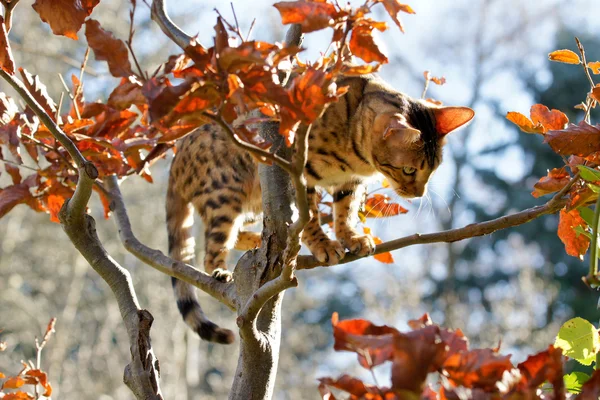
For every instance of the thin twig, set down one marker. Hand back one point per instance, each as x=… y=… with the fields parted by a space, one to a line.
x=71 y=96
x=589 y=100
x=18 y=165
x=130 y=43
x=8 y=11
x=257 y=151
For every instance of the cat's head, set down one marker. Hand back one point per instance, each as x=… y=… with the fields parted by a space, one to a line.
x=407 y=147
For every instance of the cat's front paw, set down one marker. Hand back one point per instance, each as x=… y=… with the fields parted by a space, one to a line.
x=361 y=245
x=328 y=251
x=222 y=275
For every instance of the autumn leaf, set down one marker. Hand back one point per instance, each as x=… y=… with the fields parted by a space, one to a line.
x=576 y=245
x=356 y=70
x=564 y=56
x=379 y=205
x=6 y=60
x=524 y=123
x=108 y=48
x=385 y=258
x=591 y=389
x=311 y=15
x=11 y=196
x=13 y=382
x=541 y=367
x=362 y=43
x=19 y=395
x=542 y=119
x=127 y=93
x=54 y=204
x=550 y=120
x=596 y=93
x=581 y=140
x=556 y=179
x=65 y=17
x=479 y=368
x=595 y=67
x=8 y=109
x=39 y=92
x=35 y=377
x=354 y=386
x=393 y=8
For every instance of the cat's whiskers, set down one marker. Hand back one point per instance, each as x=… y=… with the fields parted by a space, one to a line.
x=443 y=200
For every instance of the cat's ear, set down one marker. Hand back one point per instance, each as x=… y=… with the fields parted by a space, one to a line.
x=448 y=119
x=395 y=124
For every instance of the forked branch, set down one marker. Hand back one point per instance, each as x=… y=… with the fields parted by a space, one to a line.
x=156 y=259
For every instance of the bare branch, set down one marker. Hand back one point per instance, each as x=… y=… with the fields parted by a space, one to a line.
x=9 y=6
x=173 y=32
x=224 y=292
x=141 y=375
x=451 y=235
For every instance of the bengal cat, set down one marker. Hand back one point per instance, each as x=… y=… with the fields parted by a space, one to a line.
x=371 y=130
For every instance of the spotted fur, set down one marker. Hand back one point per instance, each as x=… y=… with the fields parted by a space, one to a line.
x=372 y=130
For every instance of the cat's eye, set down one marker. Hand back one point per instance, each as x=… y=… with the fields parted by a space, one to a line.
x=409 y=170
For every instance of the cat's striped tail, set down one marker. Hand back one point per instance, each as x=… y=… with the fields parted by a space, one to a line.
x=180 y=215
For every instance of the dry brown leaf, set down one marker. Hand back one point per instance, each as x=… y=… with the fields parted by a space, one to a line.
x=65 y=17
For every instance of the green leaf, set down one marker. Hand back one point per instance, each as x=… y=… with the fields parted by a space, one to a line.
x=574 y=381
x=579 y=339
x=595 y=188
x=580 y=231
x=589 y=174
x=587 y=214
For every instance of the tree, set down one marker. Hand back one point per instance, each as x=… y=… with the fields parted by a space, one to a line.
x=96 y=144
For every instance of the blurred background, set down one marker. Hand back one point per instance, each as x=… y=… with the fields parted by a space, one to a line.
x=517 y=286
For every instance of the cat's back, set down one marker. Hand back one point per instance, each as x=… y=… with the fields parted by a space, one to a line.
x=206 y=162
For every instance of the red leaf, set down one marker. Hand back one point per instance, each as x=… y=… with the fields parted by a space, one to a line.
x=351 y=385
x=580 y=140
x=576 y=245
x=480 y=368
x=13 y=172
x=13 y=195
x=556 y=179
x=38 y=377
x=544 y=366
x=362 y=42
x=6 y=60
x=108 y=48
x=394 y=7
x=39 y=92
x=65 y=17
x=127 y=93
x=311 y=15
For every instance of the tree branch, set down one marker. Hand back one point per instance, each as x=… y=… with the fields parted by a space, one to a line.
x=173 y=32
x=451 y=235
x=257 y=151
x=224 y=292
x=9 y=6
x=141 y=375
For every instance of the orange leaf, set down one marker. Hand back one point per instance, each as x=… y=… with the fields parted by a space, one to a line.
x=108 y=48
x=595 y=67
x=576 y=245
x=65 y=17
x=524 y=123
x=2 y=376
x=393 y=8
x=556 y=179
x=14 y=382
x=596 y=93
x=362 y=42
x=479 y=368
x=39 y=92
x=351 y=385
x=564 y=56
x=36 y=376
x=385 y=258
x=6 y=60
x=541 y=367
x=379 y=205
x=550 y=120
x=18 y=396
x=311 y=15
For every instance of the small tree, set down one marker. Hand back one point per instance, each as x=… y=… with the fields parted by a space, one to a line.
x=96 y=145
